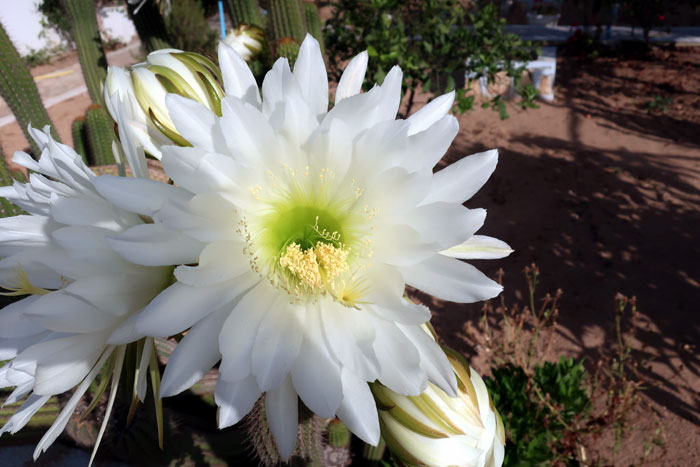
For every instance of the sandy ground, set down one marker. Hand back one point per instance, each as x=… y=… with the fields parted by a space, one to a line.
x=604 y=197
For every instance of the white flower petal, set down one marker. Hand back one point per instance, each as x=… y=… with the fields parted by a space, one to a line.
x=248 y=133
x=235 y=399
x=91 y=213
x=138 y=195
x=155 y=245
x=180 y=306
x=220 y=261
x=13 y=321
x=445 y=224
x=62 y=420
x=350 y=340
x=432 y=359
x=277 y=344
x=451 y=279
x=20 y=418
x=59 y=311
x=431 y=113
x=458 y=182
x=24 y=231
x=479 y=247
x=318 y=383
x=363 y=111
x=351 y=80
x=194 y=355
x=62 y=363
x=240 y=329
x=282 y=414
x=399 y=360
x=310 y=72
x=238 y=78
x=278 y=85
x=358 y=411
x=427 y=147
x=197 y=124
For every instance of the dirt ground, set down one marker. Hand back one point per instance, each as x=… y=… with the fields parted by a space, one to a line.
x=604 y=197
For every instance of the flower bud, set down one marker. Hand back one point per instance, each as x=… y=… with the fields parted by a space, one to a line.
x=246 y=40
x=143 y=89
x=434 y=429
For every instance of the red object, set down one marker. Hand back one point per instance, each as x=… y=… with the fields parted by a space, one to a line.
x=661 y=17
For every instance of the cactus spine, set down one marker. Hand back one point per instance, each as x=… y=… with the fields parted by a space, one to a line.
x=90 y=51
x=100 y=134
x=17 y=88
x=313 y=23
x=150 y=26
x=80 y=137
x=245 y=11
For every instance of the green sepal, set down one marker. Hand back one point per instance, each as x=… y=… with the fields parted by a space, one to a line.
x=175 y=137
x=207 y=78
x=430 y=409
x=403 y=417
x=134 y=395
x=397 y=449
x=155 y=382
x=173 y=82
x=101 y=388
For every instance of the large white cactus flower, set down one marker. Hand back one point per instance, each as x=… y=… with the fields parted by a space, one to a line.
x=78 y=291
x=301 y=230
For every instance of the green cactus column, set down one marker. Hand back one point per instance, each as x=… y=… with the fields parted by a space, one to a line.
x=313 y=23
x=288 y=27
x=245 y=11
x=17 y=88
x=150 y=26
x=86 y=34
x=100 y=134
x=7 y=178
x=79 y=134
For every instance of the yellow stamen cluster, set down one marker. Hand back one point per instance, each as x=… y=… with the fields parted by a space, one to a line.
x=302 y=264
x=22 y=286
x=332 y=259
x=316 y=266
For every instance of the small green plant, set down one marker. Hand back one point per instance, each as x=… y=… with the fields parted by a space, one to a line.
x=542 y=409
x=657 y=104
x=547 y=406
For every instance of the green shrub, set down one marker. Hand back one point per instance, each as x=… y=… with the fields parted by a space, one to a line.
x=539 y=410
x=431 y=40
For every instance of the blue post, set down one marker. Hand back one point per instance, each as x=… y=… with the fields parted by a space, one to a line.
x=221 y=19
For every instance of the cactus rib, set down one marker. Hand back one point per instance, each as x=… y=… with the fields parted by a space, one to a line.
x=86 y=34
x=17 y=88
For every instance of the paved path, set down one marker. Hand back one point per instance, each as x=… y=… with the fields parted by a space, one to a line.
x=559 y=34
x=61 y=85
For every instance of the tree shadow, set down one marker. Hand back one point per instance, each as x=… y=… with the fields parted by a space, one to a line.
x=597 y=222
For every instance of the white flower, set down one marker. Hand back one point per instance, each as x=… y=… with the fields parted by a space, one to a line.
x=246 y=40
x=78 y=290
x=136 y=99
x=435 y=429
x=301 y=230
